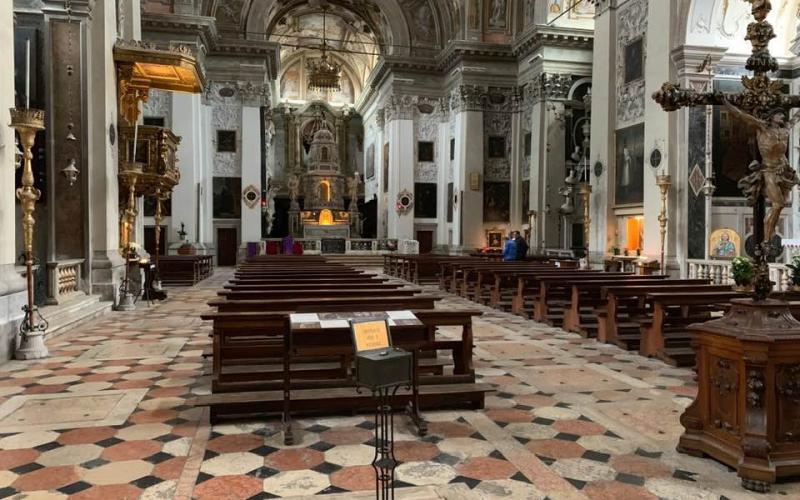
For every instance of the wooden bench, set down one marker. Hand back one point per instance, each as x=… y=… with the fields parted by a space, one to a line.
x=184 y=270
x=588 y=298
x=665 y=334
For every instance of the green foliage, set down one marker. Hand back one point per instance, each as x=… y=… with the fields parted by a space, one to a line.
x=794 y=266
x=742 y=270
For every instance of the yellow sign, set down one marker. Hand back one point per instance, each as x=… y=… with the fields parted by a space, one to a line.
x=370 y=335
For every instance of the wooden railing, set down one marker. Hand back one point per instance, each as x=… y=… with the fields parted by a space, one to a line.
x=63 y=278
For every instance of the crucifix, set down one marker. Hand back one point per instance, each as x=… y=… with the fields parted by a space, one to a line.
x=764 y=108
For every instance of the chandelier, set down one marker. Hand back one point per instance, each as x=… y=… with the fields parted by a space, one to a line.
x=323 y=74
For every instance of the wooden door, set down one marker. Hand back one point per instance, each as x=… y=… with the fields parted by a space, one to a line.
x=227 y=246
x=425 y=239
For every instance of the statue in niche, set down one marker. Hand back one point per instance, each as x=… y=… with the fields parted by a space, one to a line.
x=294 y=189
x=498 y=17
x=352 y=189
x=270 y=215
x=774 y=177
x=325 y=191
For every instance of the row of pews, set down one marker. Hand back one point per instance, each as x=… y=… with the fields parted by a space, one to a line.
x=647 y=314
x=262 y=363
x=184 y=270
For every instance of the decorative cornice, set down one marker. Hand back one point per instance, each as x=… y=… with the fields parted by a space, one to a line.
x=248 y=93
x=486 y=99
x=544 y=36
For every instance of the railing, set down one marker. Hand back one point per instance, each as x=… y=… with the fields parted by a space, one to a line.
x=355 y=246
x=63 y=278
x=719 y=272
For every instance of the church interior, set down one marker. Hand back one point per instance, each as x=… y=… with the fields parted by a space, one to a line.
x=422 y=249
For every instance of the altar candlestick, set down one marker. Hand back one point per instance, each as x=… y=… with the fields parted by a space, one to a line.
x=28 y=74
x=135 y=135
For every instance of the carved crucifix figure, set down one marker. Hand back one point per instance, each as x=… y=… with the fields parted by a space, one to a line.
x=764 y=107
x=773 y=178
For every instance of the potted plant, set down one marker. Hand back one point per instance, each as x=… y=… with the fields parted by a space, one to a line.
x=742 y=270
x=794 y=273
x=615 y=250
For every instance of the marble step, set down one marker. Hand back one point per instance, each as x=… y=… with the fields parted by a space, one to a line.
x=75 y=311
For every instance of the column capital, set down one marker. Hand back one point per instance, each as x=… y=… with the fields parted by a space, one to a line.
x=483 y=98
x=247 y=93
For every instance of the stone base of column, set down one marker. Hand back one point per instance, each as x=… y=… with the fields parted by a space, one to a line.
x=108 y=269
x=12 y=299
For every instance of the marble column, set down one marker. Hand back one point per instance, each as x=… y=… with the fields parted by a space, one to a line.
x=468 y=212
x=12 y=285
x=205 y=189
x=538 y=176
x=187 y=124
x=517 y=157
x=442 y=163
x=604 y=110
x=553 y=171
x=660 y=131
x=106 y=264
x=251 y=172
x=383 y=189
x=400 y=133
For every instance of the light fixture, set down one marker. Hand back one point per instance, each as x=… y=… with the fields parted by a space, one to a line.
x=323 y=74
x=70 y=171
x=708 y=187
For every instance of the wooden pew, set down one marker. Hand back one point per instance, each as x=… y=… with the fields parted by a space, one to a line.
x=184 y=270
x=588 y=296
x=665 y=334
x=625 y=305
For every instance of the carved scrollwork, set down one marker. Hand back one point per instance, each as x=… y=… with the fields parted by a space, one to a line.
x=755 y=387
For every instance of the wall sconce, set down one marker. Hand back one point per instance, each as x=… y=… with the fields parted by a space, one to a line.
x=71 y=172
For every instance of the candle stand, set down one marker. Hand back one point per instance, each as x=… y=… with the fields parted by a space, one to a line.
x=27 y=123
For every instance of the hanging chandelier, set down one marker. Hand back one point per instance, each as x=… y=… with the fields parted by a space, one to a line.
x=323 y=74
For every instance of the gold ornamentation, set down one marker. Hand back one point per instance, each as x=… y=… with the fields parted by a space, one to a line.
x=585 y=190
x=663 y=182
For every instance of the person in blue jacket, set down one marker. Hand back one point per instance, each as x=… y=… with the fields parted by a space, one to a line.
x=510 y=249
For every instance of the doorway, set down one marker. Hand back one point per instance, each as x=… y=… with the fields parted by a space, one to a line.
x=425 y=239
x=227 y=246
x=150 y=240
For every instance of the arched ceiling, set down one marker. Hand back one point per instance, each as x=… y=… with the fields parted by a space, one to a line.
x=723 y=23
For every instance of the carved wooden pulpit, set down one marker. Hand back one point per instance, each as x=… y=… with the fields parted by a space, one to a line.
x=747 y=410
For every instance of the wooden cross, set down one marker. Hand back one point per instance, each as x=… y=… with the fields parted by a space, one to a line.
x=757 y=106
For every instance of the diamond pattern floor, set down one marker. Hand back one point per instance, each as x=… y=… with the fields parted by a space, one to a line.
x=570 y=418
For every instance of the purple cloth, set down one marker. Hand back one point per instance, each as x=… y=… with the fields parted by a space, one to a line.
x=252 y=249
x=288 y=245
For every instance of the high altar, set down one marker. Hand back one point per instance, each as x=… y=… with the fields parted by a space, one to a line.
x=324 y=187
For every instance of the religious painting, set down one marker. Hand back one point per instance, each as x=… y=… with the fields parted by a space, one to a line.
x=290 y=83
x=724 y=244
x=494 y=238
x=528 y=144
x=634 y=60
x=496 y=201
x=497 y=146
x=497 y=14
x=450 y=202
x=386 y=168
x=370 y=168
x=424 y=151
x=226 y=141
x=227 y=197
x=425 y=200
x=734 y=146
x=629 y=182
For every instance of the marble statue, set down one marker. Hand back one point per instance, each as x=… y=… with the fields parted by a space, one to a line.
x=352 y=190
x=774 y=177
x=294 y=187
x=498 y=17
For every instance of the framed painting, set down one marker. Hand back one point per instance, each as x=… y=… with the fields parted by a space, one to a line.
x=629 y=182
x=496 y=201
x=227 y=197
x=370 y=168
x=226 y=141
x=425 y=200
x=724 y=244
x=497 y=146
x=634 y=60
x=494 y=238
x=424 y=151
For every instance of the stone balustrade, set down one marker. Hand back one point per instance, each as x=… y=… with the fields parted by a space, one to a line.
x=63 y=278
x=719 y=272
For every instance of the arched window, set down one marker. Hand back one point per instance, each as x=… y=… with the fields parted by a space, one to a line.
x=325 y=191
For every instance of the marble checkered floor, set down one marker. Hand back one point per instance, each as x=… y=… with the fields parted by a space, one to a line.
x=107 y=416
